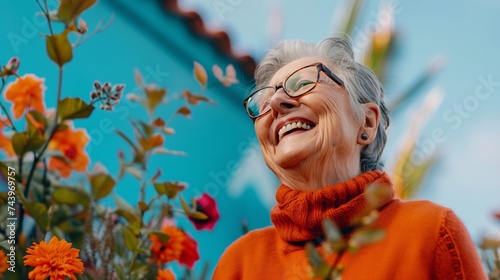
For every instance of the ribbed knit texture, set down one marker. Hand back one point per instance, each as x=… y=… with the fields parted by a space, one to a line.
x=423 y=240
x=299 y=215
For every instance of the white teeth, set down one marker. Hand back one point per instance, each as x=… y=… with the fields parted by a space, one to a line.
x=284 y=129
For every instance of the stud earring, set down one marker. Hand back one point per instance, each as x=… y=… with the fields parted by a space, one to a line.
x=364 y=136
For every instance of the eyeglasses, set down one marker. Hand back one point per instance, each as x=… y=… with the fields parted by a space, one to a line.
x=300 y=82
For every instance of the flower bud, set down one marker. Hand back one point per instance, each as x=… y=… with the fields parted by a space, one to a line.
x=118 y=88
x=97 y=86
x=82 y=26
x=106 y=88
x=13 y=65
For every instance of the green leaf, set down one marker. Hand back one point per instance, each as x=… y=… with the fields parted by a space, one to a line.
x=154 y=97
x=365 y=236
x=102 y=184
x=161 y=235
x=24 y=142
x=135 y=228
x=319 y=265
x=38 y=117
x=143 y=206
x=5 y=245
x=148 y=129
x=198 y=215
x=376 y=195
x=38 y=211
x=74 y=108
x=351 y=19
x=127 y=139
x=200 y=74
x=70 y=196
x=331 y=231
x=185 y=206
x=134 y=171
x=126 y=211
x=170 y=189
x=130 y=239
x=59 y=48
x=69 y=10
x=490 y=243
x=164 y=151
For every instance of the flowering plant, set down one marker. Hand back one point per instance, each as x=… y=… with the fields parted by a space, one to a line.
x=490 y=253
x=73 y=234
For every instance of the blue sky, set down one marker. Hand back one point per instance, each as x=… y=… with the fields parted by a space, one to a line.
x=463 y=33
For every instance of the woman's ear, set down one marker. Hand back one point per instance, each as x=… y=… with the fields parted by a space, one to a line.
x=368 y=131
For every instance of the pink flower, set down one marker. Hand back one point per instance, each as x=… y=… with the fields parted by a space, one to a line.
x=206 y=205
x=230 y=77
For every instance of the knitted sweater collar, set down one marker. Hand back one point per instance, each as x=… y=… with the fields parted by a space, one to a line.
x=299 y=214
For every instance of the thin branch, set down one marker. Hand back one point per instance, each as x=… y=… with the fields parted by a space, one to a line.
x=98 y=29
x=39 y=156
x=59 y=91
x=19 y=229
x=335 y=263
x=41 y=7
x=48 y=17
x=5 y=110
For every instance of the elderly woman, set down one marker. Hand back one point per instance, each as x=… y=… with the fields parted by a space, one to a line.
x=321 y=122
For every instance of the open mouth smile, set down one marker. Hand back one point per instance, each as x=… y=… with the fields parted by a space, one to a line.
x=293 y=126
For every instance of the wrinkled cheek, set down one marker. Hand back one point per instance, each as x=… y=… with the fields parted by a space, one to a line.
x=262 y=133
x=328 y=126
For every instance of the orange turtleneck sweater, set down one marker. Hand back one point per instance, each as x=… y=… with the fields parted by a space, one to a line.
x=423 y=240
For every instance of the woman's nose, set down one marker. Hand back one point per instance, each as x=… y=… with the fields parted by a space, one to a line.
x=281 y=103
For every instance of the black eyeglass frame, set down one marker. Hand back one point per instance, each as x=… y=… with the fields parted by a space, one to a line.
x=320 y=67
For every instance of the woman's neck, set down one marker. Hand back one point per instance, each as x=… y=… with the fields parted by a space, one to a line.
x=307 y=176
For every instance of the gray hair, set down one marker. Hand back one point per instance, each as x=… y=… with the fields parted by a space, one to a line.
x=360 y=82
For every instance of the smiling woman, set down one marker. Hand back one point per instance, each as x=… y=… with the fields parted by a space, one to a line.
x=321 y=122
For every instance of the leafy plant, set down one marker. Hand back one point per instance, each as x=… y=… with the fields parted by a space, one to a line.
x=326 y=262
x=490 y=254
x=137 y=240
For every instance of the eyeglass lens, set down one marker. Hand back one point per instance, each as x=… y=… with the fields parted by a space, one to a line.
x=298 y=83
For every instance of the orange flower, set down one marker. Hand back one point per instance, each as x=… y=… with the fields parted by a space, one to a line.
x=5 y=143
x=26 y=93
x=71 y=142
x=55 y=259
x=179 y=247
x=172 y=249
x=165 y=274
x=4 y=265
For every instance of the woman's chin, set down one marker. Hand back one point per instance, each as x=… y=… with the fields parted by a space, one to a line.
x=288 y=155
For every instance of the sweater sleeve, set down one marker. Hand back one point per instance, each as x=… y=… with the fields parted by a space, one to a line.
x=456 y=256
x=229 y=265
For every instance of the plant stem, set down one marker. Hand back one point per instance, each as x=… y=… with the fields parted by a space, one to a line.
x=335 y=263
x=21 y=208
x=48 y=17
x=39 y=156
x=5 y=110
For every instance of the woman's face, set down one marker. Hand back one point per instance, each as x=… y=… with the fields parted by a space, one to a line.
x=326 y=128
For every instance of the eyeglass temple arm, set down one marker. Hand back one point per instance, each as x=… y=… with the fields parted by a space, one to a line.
x=332 y=76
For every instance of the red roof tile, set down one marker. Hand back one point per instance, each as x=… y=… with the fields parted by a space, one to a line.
x=219 y=39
